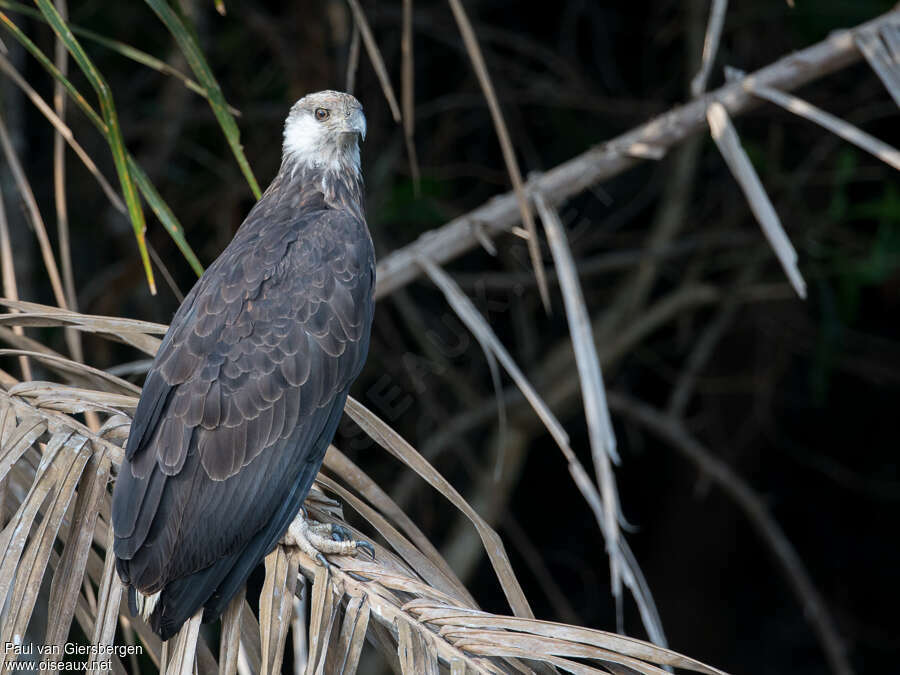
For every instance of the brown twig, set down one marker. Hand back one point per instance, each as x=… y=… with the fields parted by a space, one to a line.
x=726 y=137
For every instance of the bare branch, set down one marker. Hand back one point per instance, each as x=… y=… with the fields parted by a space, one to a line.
x=501 y=213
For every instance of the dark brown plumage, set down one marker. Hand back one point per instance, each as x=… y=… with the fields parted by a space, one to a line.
x=248 y=386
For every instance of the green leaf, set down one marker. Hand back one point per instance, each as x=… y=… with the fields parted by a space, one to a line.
x=164 y=213
x=192 y=52
x=119 y=47
x=155 y=201
x=33 y=49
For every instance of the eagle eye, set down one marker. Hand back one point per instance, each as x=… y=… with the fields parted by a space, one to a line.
x=322 y=114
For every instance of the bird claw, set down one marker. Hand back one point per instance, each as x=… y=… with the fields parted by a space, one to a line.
x=367 y=547
x=340 y=533
x=358 y=577
x=317 y=539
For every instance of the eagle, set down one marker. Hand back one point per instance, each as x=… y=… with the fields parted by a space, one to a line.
x=249 y=383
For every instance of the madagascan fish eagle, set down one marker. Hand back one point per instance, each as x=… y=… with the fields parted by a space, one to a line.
x=249 y=383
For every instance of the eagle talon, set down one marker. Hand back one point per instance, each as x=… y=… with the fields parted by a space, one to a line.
x=323 y=561
x=354 y=575
x=367 y=547
x=316 y=539
x=340 y=533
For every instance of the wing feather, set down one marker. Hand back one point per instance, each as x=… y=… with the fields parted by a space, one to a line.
x=241 y=393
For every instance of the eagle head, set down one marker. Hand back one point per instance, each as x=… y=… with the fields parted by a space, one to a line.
x=322 y=131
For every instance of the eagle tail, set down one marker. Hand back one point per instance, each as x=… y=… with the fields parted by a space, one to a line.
x=214 y=587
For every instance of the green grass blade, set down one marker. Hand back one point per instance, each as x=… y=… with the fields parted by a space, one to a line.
x=121 y=48
x=33 y=49
x=114 y=133
x=164 y=214
x=149 y=192
x=216 y=98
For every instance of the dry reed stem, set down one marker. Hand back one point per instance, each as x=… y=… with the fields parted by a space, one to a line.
x=61 y=61
x=407 y=95
x=726 y=138
x=877 y=148
x=34 y=214
x=600 y=431
x=368 y=40
x=382 y=434
x=710 y=45
x=509 y=155
x=8 y=273
x=63 y=130
x=604 y=504
x=880 y=44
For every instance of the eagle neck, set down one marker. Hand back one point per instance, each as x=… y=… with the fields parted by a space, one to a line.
x=340 y=187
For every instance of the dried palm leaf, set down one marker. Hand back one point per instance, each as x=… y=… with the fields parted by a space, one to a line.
x=412 y=608
x=880 y=44
x=726 y=138
x=230 y=642
x=276 y=602
x=184 y=650
x=878 y=148
x=138 y=334
x=343 y=657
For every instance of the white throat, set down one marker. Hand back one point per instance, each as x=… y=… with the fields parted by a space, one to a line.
x=306 y=144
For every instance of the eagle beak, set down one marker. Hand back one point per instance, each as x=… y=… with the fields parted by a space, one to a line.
x=355 y=123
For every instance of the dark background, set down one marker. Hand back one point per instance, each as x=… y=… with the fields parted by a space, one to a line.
x=799 y=398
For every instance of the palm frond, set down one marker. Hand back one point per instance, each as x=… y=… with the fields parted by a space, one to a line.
x=56 y=473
